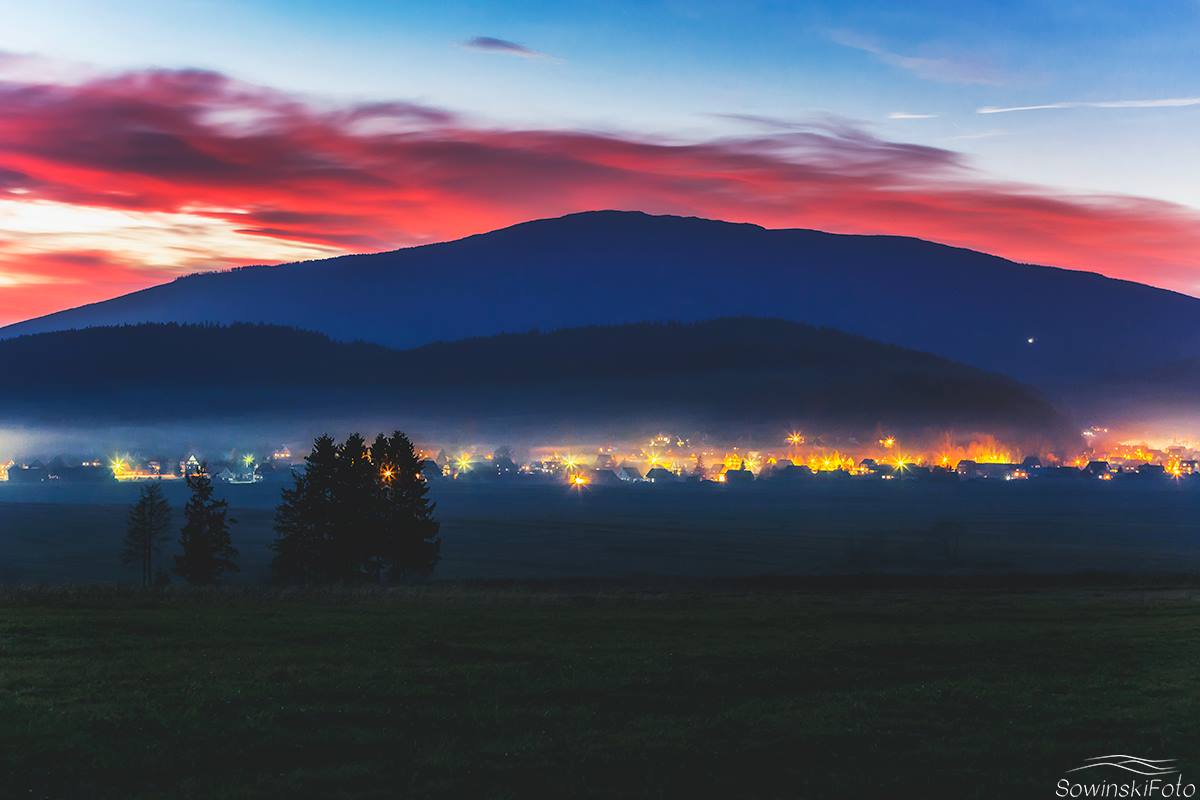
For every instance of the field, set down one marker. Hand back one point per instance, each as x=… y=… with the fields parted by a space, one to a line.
x=735 y=689
x=826 y=640
x=71 y=534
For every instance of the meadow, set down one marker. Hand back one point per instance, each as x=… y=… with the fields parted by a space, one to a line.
x=71 y=534
x=826 y=640
x=802 y=688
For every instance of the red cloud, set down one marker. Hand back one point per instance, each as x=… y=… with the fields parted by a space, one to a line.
x=40 y=283
x=380 y=175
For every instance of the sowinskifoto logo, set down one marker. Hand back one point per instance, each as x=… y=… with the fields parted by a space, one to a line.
x=1100 y=776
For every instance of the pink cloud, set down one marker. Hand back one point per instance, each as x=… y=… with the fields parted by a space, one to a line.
x=381 y=175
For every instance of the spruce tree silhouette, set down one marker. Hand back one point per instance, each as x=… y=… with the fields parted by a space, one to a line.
x=356 y=502
x=149 y=521
x=208 y=553
x=305 y=521
x=408 y=542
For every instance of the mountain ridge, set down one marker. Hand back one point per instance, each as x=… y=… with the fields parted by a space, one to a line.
x=615 y=266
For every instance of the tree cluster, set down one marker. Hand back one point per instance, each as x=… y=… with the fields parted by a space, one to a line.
x=356 y=514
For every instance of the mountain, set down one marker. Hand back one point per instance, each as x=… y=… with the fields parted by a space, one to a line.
x=733 y=376
x=613 y=267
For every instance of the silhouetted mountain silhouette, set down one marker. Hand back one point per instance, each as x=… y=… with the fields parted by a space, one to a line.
x=720 y=375
x=610 y=267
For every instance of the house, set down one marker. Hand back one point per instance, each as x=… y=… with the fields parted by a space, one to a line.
x=661 y=475
x=603 y=477
x=968 y=470
x=911 y=472
x=740 y=476
x=1060 y=473
x=628 y=472
x=606 y=461
x=792 y=472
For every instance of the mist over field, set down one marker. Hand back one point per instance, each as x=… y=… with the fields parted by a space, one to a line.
x=64 y=534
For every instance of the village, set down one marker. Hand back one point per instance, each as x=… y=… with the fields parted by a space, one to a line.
x=669 y=459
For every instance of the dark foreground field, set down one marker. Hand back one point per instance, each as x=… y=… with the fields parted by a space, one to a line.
x=739 y=689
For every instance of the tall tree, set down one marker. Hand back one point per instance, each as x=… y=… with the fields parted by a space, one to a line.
x=305 y=521
x=408 y=542
x=149 y=521
x=208 y=554
x=356 y=505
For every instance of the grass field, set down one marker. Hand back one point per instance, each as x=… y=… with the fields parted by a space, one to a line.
x=738 y=689
x=72 y=534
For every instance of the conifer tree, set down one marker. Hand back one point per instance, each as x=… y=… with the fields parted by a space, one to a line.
x=356 y=508
x=208 y=553
x=408 y=542
x=356 y=514
x=305 y=520
x=149 y=521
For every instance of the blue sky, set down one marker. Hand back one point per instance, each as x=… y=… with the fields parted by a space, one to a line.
x=668 y=67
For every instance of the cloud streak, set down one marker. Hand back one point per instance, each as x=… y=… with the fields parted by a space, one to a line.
x=155 y=172
x=1162 y=102
x=942 y=69
x=491 y=44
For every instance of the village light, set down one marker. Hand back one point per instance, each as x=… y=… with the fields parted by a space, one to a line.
x=119 y=466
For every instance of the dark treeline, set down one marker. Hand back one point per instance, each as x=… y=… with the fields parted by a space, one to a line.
x=354 y=514
x=271 y=354
x=713 y=373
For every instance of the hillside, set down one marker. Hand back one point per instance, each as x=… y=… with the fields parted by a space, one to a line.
x=728 y=376
x=614 y=267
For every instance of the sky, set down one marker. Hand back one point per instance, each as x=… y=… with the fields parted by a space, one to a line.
x=144 y=140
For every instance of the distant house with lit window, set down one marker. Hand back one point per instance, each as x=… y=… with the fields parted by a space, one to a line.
x=628 y=472
x=661 y=475
x=739 y=476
